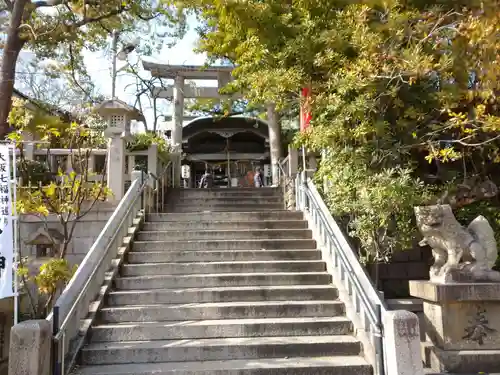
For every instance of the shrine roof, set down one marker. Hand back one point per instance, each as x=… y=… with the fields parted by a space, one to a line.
x=238 y=122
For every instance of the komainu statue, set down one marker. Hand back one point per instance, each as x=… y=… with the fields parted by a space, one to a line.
x=460 y=254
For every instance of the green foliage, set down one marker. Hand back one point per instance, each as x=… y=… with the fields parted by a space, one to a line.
x=67 y=195
x=405 y=95
x=64 y=196
x=52 y=276
x=376 y=207
x=142 y=142
x=52 y=130
x=34 y=172
x=288 y=135
x=224 y=107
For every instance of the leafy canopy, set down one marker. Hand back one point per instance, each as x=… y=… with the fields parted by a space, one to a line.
x=405 y=94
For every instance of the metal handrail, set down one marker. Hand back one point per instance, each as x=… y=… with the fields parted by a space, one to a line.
x=124 y=209
x=366 y=299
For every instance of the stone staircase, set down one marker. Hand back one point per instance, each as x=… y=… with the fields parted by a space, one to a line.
x=227 y=284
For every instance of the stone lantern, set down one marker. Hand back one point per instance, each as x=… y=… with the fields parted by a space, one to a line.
x=118 y=115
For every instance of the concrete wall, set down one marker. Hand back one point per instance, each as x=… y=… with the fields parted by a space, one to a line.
x=412 y=264
x=86 y=232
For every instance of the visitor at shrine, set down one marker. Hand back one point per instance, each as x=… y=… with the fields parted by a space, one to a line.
x=257 y=178
x=207 y=180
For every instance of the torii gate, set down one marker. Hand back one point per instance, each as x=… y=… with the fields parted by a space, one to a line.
x=179 y=91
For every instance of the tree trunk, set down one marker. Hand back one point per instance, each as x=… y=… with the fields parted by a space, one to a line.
x=155 y=123
x=274 y=141
x=13 y=46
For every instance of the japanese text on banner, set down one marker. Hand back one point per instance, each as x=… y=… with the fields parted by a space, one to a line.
x=6 y=225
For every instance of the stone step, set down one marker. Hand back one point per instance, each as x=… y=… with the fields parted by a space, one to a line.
x=265 y=244
x=337 y=365
x=225 y=216
x=221 y=256
x=222 y=207
x=226 y=225
x=220 y=310
x=225 y=328
x=221 y=294
x=217 y=192
x=217 y=349
x=228 y=199
x=223 y=280
x=239 y=234
x=176 y=268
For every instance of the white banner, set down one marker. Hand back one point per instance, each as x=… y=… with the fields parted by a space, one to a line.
x=6 y=225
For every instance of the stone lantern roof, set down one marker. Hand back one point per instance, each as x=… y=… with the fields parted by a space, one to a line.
x=119 y=107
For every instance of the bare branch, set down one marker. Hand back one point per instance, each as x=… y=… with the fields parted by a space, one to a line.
x=461 y=141
x=73 y=75
x=87 y=20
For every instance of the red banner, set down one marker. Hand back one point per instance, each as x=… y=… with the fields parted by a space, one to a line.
x=305 y=109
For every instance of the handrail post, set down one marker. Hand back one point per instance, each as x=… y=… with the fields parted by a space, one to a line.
x=297 y=192
x=142 y=192
x=304 y=198
x=162 y=192
x=56 y=367
x=156 y=192
x=379 y=343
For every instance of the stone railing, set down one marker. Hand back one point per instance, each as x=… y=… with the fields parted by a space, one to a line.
x=287 y=183
x=287 y=171
x=58 y=158
x=391 y=339
x=98 y=267
x=51 y=346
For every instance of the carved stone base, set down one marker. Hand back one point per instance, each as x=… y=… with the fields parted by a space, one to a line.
x=467 y=274
x=462 y=324
x=460 y=361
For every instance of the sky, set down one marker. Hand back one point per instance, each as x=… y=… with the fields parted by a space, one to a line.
x=99 y=67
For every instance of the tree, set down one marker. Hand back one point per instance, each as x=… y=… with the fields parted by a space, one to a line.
x=405 y=96
x=67 y=195
x=61 y=29
x=146 y=93
x=224 y=107
x=45 y=83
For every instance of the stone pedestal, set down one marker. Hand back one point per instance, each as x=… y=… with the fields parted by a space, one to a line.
x=116 y=162
x=176 y=158
x=293 y=164
x=462 y=325
x=30 y=346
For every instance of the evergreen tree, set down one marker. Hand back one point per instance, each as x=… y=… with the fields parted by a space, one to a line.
x=405 y=96
x=62 y=29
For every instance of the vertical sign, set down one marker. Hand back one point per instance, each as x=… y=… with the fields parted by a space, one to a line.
x=305 y=109
x=6 y=225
